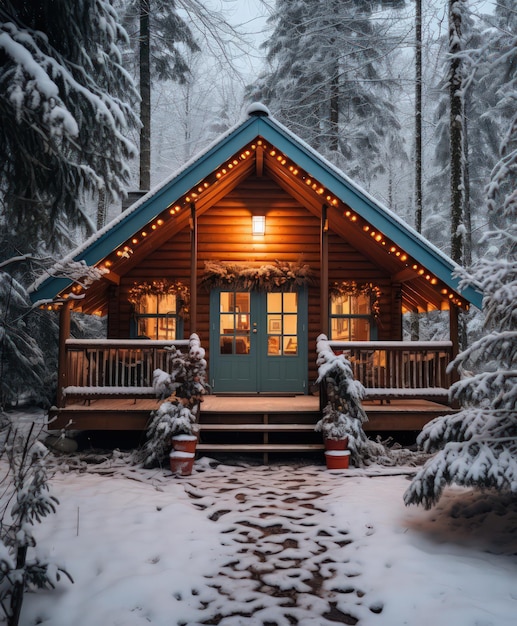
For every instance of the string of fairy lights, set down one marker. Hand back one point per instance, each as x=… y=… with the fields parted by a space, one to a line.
x=127 y=249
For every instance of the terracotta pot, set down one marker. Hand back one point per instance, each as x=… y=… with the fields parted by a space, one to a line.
x=181 y=463
x=337 y=459
x=336 y=444
x=184 y=443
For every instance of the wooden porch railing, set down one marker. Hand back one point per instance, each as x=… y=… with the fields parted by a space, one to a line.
x=399 y=369
x=115 y=367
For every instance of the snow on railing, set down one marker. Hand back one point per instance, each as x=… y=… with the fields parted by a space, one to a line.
x=399 y=368
x=116 y=365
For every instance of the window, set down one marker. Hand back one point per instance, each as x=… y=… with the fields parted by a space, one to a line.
x=157 y=317
x=351 y=318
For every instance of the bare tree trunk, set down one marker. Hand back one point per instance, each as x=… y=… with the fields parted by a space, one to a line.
x=145 y=94
x=418 y=116
x=456 y=130
x=334 y=109
x=101 y=209
x=414 y=317
x=466 y=177
x=18 y=588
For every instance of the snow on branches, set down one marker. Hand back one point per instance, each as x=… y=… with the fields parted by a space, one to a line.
x=344 y=414
x=477 y=447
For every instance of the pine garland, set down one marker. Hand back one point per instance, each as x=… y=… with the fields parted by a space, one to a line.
x=159 y=288
x=284 y=276
x=352 y=288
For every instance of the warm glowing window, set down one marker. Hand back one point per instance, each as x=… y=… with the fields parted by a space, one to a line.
x=157 y=317
x=350 y=318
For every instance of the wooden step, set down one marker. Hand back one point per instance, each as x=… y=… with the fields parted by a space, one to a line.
x=264 y=427
x=260 y=447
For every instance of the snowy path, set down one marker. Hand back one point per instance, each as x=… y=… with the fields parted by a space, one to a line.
x=291 y=558
x=272 y=546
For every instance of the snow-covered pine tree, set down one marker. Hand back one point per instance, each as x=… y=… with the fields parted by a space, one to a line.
x=343 y=411
x=477 y=447
x=28 y=334
x=326 y=65
x=183 y=387
x=64 y=105
x=22 y=363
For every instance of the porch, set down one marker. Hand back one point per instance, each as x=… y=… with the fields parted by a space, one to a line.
x=259 y=425
x=107 y=385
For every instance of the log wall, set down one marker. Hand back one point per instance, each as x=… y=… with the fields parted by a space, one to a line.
x=224 y=234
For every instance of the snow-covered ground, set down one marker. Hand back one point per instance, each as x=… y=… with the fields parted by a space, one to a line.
x=280 y=545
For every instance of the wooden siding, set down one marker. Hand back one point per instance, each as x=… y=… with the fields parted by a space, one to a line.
x=224 y=234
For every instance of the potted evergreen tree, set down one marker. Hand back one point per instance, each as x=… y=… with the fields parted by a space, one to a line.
x=343 y=414
x=176 y=419
x=334 y=427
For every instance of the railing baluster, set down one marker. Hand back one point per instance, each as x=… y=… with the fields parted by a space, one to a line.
x=418 y=366
x=116 y=363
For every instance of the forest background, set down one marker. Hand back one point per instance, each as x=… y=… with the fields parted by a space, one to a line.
x=414 y=100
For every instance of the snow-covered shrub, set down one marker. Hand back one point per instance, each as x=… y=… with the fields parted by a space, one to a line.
x=183 y=386
x=171 y=418
x=25 y=500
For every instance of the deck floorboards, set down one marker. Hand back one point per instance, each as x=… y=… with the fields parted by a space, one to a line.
x=133 y=414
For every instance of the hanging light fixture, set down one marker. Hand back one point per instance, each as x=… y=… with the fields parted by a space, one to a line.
x=258 y=225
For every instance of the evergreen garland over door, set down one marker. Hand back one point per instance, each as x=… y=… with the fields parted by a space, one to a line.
x=258 y=341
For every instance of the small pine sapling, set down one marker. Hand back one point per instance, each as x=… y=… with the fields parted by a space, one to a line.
x=25 y=500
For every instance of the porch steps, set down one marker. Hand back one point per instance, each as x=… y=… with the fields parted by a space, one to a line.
x=259 y=426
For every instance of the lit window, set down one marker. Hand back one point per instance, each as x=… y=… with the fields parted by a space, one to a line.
x=157 y=317
x=350 y=318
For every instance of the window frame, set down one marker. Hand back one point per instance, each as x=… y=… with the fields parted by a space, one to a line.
x=348 y=317
x=156 y=315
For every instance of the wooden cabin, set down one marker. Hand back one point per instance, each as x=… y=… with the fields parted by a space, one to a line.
x=258 y=245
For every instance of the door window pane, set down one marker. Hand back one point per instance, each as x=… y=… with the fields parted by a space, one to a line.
x=234 y=322
x=282 y=324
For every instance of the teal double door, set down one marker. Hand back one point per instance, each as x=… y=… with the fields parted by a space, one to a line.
x=258 y=341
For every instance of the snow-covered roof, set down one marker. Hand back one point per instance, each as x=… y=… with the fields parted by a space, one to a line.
x=258 y=123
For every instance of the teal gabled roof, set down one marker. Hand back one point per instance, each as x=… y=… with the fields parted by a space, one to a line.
x=258 y=124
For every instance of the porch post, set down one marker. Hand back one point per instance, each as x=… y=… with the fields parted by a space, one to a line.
x=64 y=334
x=324 y=272
x=454 y=335
x=193 y=268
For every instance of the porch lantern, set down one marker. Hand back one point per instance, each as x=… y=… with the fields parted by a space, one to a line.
x=258 y=225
